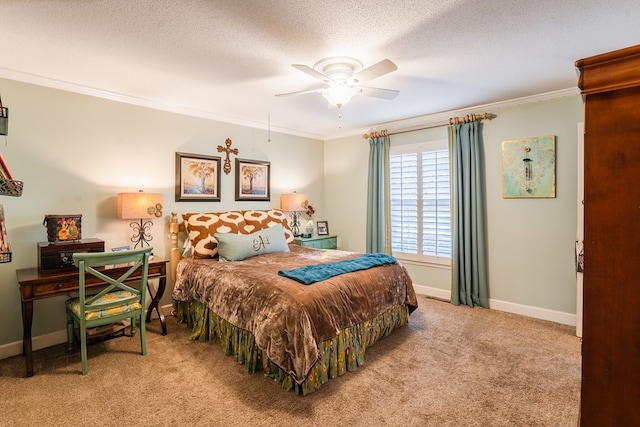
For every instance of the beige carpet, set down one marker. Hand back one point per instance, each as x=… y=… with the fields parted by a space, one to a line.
x=452 y=366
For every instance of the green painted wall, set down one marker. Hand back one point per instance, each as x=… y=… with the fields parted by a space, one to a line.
x=76 y=152
x=530 y=241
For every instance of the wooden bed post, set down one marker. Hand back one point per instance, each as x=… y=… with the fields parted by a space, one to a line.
x=174 y=228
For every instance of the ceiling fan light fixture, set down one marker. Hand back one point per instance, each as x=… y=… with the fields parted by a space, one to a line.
x=339 y=95
x=341 y=77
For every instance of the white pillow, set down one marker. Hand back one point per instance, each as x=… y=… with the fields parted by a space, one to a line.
x=236 y=247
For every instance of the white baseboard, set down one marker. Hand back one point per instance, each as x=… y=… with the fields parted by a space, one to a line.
x=535 y=312
x=432 y=292
x=41 y=341
x=53 y=338
x=509 y=307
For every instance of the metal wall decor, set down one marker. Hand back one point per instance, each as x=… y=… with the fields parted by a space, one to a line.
x=228 y=150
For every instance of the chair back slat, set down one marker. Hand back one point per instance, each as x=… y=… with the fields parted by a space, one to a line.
x=114 y=283
x=88 y=264
x=99 y=259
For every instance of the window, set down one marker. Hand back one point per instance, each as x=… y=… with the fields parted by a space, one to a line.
x=420 y=199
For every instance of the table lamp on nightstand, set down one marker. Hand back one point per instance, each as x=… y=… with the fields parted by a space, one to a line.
x=140 y=206
x=293 y=203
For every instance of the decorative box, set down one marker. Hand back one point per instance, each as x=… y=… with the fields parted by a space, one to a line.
x=57 y=257
x=63 y=228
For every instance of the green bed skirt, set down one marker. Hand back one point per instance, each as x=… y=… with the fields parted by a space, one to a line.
x=344 y=352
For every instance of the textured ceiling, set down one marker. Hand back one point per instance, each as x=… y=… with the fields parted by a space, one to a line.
x=228 y=59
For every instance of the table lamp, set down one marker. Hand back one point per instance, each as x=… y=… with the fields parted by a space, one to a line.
x=293 y=203
x=140 y=206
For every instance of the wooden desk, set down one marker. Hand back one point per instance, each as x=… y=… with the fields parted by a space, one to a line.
x=35 y=285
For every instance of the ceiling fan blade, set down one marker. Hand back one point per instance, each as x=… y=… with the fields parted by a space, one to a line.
x=313 y=73
x=315 y=90
x=379 y=92
x=376 y=70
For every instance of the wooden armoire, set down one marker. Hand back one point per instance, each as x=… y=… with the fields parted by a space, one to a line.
x=610 y=85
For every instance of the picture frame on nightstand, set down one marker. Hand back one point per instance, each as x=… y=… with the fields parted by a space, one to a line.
x=323 y=228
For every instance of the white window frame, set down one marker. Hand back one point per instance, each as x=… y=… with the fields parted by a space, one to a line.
x=419 y=148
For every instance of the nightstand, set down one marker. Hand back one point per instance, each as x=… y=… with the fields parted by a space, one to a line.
x=318 y=242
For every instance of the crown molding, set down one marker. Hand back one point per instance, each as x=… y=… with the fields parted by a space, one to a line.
x=141 y=102
x=410 y=123
x=418 y=122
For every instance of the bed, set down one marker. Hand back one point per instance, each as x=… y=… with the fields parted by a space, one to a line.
x=301 y=315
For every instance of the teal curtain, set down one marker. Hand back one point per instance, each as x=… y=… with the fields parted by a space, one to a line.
x=469 y=270
x=377 y=196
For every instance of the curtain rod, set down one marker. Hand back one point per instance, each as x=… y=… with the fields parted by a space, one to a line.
x=452 y=121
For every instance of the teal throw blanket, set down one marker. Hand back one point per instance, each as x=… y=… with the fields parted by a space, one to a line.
x=319 y=272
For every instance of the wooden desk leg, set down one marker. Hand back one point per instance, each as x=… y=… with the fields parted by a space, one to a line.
x=27 y=321
x=155 y=299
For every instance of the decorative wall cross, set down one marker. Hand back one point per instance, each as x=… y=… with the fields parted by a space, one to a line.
x=228 y=150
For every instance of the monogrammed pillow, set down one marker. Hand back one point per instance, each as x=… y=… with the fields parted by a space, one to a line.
x=236 y=247
x=201 y=228
x=261 y=219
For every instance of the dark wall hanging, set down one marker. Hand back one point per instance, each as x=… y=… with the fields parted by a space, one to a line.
x=4 y=119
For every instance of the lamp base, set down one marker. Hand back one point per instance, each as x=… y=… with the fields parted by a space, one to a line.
x=295 y=223
x=142 y=234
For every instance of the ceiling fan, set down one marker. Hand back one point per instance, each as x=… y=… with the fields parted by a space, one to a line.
x=342 y=77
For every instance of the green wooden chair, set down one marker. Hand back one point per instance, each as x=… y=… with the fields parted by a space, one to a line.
x=122 y=298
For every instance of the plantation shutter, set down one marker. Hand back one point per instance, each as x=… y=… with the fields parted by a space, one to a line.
x=403 y=182
x=420 y=202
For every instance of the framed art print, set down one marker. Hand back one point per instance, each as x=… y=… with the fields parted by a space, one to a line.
x=323 y=228
x=529 y=167
x=197 y=177
x=253 y=180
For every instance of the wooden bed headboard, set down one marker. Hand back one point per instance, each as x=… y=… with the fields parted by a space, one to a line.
x=232 y=221
x=175 y=227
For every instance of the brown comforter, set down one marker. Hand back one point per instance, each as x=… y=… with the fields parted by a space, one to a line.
x=289 y=319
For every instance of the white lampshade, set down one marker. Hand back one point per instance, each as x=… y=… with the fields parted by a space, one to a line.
x=139 y=205
x=339 y=95
x=292 y=202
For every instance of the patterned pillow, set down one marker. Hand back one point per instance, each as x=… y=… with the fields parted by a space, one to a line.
x=236 y=247
x=261 y=219
x=202 y=226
